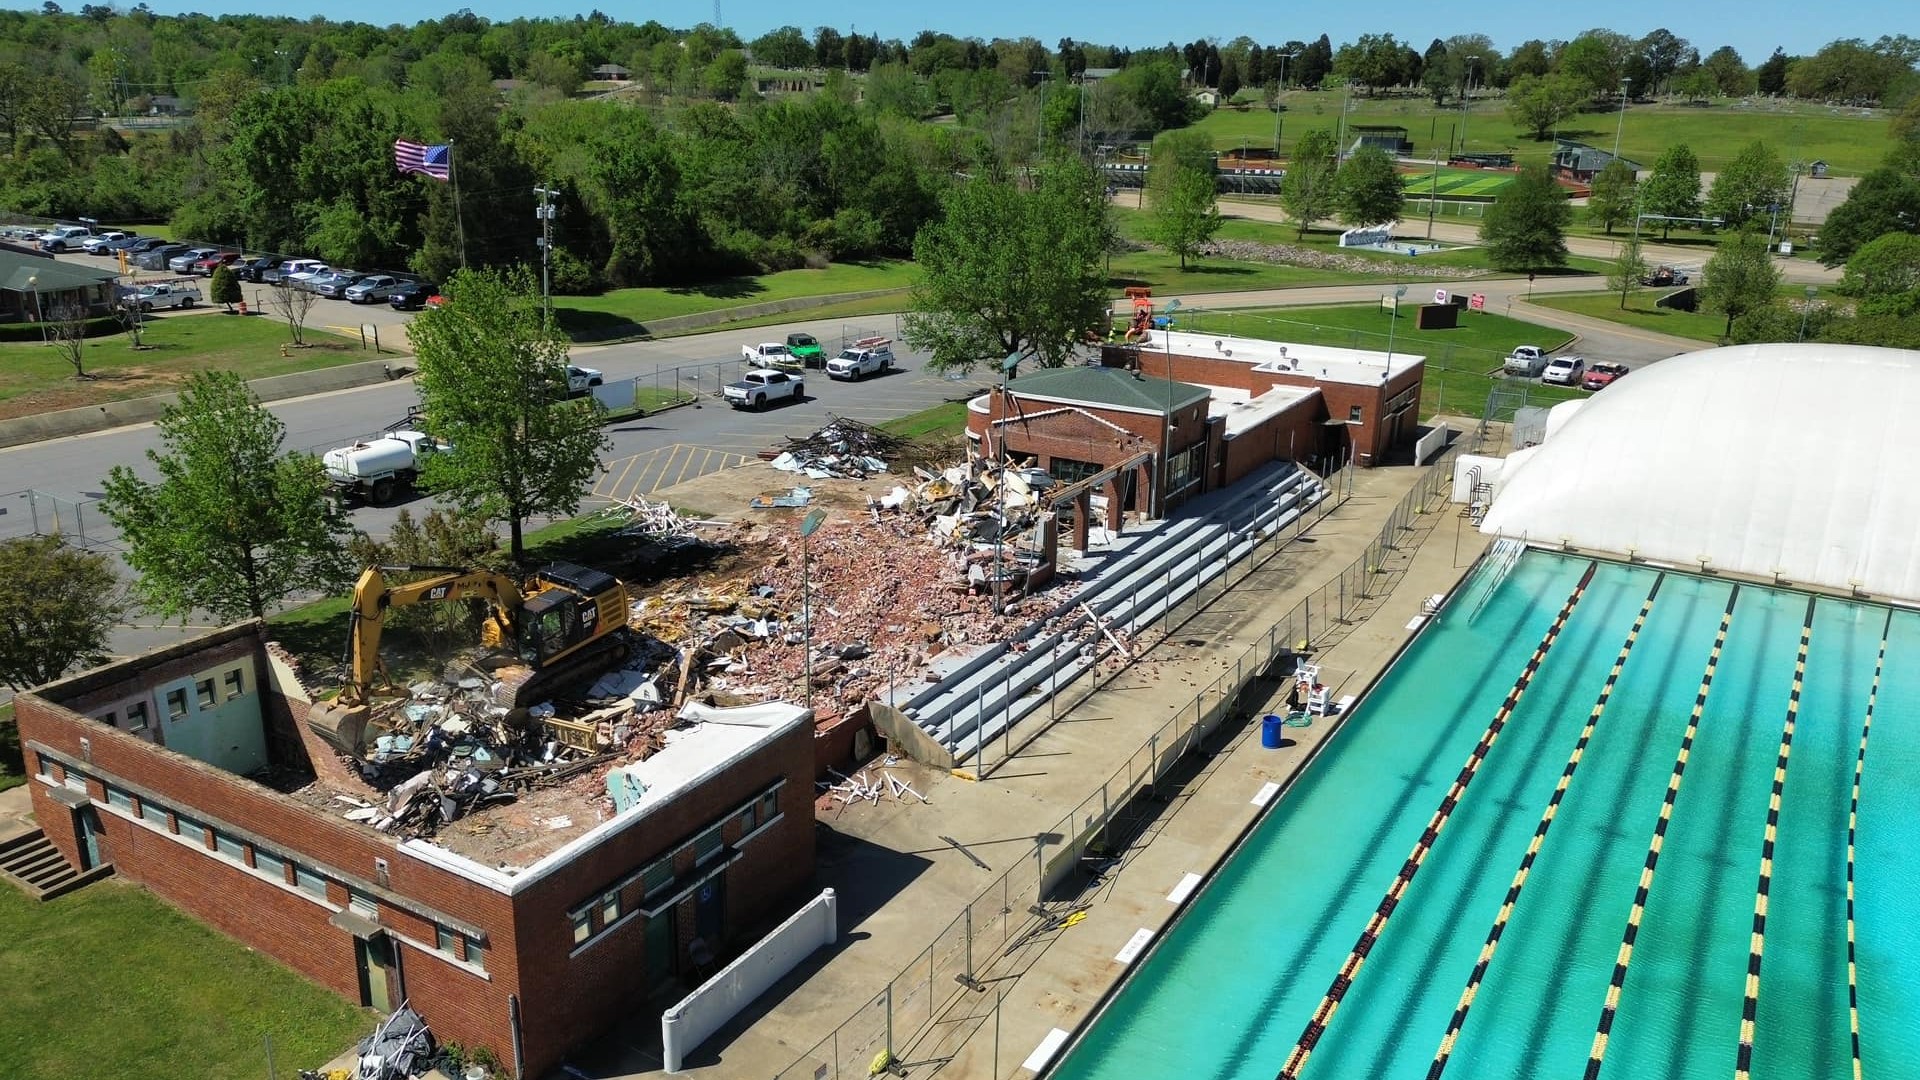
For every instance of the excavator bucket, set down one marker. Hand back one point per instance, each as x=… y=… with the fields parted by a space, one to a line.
x=343 y=727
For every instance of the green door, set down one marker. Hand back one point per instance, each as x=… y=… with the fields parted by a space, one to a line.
x=663 y=946
x=379 y=973
x=89 y=838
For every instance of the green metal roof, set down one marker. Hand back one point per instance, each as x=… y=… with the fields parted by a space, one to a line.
x=16 y=270
x=1109 y=386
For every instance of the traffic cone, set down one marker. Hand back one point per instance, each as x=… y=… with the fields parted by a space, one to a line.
x=243 y=307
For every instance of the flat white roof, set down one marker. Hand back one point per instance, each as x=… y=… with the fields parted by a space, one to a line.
x=1244 y=412
x=1359 y=367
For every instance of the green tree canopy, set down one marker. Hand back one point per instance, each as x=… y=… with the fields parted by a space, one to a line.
x=58 y=607
x=1741 y=277
x=1628 y=270
x=1525 y=228
x=1309 y=191
x=493 y=382
x=233 y=526
x=1370 y=192
x=1673 y=187
x=1010 y=271
x=1537 y=103
x=1614 y=192
x=224 y=288
x=1885 y=200
x=1884 y=275
x=1186 y=204
x=1755 y=180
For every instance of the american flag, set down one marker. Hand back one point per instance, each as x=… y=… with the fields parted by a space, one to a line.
x=434 y=161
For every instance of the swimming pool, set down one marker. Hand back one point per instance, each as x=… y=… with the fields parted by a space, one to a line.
x=1587 y=895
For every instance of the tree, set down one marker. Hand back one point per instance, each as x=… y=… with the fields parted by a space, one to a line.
x=1673 y=187
x=1728 y=72
x=1186 y=210
x=829 y=48
x=786 y=47
x=1008 y=271
x=1308 y=191
x=224 y=288
x=1370 y=192
x=1741 y=277
x=442 y=538
x=493 y=382
x=1629 y=269
x=66 y=329
x=1613 y=194
x=233 y=526
x=1538 y=103
x=1525 y=228
x=1884 y=275
x=1663 y=53
x=1749 y=185
x=294 y=305
x=58 y=606
x=1771 y=76
x=1596 y=60
x=1885 y=200
x=1905 y=124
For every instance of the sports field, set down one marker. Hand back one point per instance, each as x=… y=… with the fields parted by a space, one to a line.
x=1456 y=182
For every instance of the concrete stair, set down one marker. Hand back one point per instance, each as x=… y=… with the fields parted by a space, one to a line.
x=32 y=862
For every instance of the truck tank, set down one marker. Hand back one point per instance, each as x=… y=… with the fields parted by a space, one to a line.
x=368 y=459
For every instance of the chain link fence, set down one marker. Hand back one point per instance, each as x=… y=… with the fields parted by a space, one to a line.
x=915 y=1021
x=36 y=513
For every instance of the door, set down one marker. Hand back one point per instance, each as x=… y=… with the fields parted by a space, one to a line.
x=662 y=944
x=379 y=972
x=710 y=911
x=90 y=836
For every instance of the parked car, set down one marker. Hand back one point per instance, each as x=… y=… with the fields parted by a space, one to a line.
x=166 y=294
x=410 y=295
x=334 y=283
x=92 y=244
x=1662 y=276
x=372 y=288
x=255 y=270
x=156 y=258
x=767 y=354
x=1601 y=375
x=304 y=275
x=806 y=350
x=1564 y=371
x=1527 y=360
x=205 y=267
x=64 y=238
x=183 y=262
x=758 y=387
x=146 y=244
x=114 y=247
x=582 y=379
x=861 y=360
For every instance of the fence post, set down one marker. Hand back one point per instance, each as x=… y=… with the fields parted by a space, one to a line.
x=970 y=979
x=889 y=1019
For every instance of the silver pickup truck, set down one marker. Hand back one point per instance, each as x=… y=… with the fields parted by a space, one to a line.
x=757 y=388
x=166 y=294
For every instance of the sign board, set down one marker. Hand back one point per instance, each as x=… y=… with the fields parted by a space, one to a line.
x=1439 y=296
x=811 y=522
x=1477 y=301
x=1786 y=247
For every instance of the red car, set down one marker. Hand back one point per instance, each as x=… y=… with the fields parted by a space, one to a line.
x=205 y=267
x=1603 y=375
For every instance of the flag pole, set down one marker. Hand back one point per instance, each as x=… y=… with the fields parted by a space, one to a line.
x=459 y=224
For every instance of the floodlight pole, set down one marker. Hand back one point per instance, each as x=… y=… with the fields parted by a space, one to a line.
x=1812 y=291
x=1466 y=102
x=1398 y=292
x=1284 y=57
x=1621 y=127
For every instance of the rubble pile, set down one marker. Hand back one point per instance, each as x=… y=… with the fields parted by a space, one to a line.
x=653 y=521
x=844 y=449
x=847 y=790
x=1316 y=259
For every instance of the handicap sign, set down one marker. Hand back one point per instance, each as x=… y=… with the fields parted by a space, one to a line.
x=1439 y=296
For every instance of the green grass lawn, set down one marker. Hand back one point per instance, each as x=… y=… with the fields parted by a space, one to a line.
x=617 y=313
x=35 y=378
x=110 y=982
x=942 y=421
x=845 y=309
x=1642 y=312
x=1451 y=181
x=1849 y=142
x=1462 y=364
x=1162 y=273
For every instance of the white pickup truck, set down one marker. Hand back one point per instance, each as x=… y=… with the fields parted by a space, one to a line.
x=166 y=294
x=768 y=354
x=1526 y=360
x=756 y=389
x=861 y=359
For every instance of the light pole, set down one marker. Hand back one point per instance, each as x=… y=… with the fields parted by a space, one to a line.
x=1340 y=137
x=1166 y=429
x=807 y=526
x=1284 y=57
x=1621 y=126
x=1398 y=292
x=39 y=313
x=1812 y=291
x=1466 y=102
x=544 y=212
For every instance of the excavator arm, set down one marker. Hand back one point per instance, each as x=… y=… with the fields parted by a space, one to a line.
x=373 y=596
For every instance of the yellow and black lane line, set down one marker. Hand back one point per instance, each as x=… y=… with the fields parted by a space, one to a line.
x=1853 y=828
x=1743 y=1058
x=1445 y=1054
x=1350 y=969
x=1597 y=1056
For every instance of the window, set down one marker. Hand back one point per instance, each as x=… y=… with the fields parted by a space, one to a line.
x=176 y=704
x=44 y=766
x=476 y=953
x=236 y=684
x=706 y=845
x=203 y=690
x=361 y=904
x=306 y=879
x=657 y=875
x=745 y=818
x=110 y=718
x=768 y=807
x=137 y=716
x=443 y=939
x=582 y=927
x=116 y=797
x=1353 y=415
x=271 y=865
x=229 y=847
x=191 y=829
x=609 y=909
x=1067 y=471
x=151 y=813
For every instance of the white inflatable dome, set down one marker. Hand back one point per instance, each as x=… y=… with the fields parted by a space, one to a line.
x=1796 y=460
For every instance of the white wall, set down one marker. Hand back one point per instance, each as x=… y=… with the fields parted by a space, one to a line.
x=1430 y=444
x=688 y=1024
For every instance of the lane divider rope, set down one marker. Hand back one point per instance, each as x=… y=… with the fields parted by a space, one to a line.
x=1597 y=1056
x=1350 y=969
x=1853 y=827
x=1444 y=1055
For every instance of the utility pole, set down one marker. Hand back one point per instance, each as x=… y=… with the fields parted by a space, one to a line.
x=544 y=212
x=1466 y=102
x=1284 y=57
x=1621 y=126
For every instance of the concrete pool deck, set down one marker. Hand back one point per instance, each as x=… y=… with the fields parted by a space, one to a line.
x=901 y=882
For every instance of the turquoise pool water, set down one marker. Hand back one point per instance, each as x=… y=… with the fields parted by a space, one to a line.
x=1232 y=987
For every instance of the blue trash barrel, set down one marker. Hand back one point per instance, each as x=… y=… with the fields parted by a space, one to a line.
x=1270 y=731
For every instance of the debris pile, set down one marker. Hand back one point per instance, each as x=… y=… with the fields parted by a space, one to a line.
x=395 y=1048
x=653 y=521
x=844 y=449
x=859 y=788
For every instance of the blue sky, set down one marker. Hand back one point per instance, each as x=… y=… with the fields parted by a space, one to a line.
x=1752 y=26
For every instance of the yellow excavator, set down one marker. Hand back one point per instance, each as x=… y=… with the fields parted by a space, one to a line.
x=566 y=621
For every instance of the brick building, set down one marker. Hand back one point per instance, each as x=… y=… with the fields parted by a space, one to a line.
x=1209 y=410
x=191 y=770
